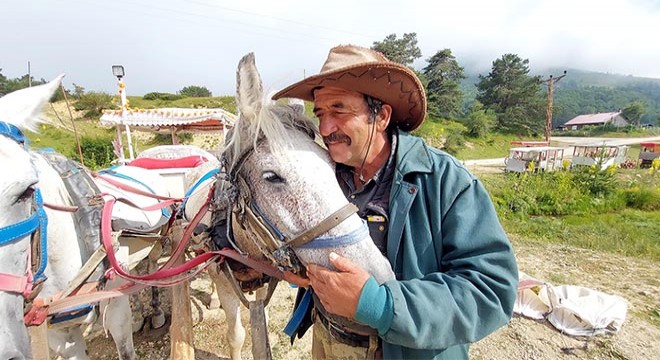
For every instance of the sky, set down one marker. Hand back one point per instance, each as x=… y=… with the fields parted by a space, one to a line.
x=165 y=45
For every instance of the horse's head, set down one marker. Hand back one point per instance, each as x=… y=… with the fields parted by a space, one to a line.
x=18 y=110
x=286 y=183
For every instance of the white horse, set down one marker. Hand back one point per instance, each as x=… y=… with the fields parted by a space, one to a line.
x=23 y=173
x=287 y=195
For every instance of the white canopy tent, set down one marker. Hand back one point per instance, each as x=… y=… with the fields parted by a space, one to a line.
x=164 y=120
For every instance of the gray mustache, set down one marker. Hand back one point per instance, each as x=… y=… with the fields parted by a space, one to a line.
x=335 y=137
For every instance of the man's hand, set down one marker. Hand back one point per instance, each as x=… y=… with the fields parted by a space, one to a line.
x=339 y=291
x=296 y=279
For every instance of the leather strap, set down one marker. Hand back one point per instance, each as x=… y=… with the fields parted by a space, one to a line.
x=328 y=223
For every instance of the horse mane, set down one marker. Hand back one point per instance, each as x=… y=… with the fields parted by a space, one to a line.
x=246 y=133
x=23 y=108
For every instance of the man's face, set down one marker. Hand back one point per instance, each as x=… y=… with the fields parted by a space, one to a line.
x=344 y=124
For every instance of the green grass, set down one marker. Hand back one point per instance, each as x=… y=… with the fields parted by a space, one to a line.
x=629 y=232
x=64 y=141
x=226 y=102
x=605 y=223
x=489 y=147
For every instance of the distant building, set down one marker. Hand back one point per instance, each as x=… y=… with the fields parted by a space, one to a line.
x=580 y=121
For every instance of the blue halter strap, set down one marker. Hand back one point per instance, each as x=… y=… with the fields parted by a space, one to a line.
x=38 y=219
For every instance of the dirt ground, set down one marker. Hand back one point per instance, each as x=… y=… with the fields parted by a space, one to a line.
x=633 y=279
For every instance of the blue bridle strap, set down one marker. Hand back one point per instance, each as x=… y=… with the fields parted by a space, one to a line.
x=319 y=242
x=27 y=227
x=38 y=219
x=43 y=223
x=338 y=241
x=12 y=132
x=16 y=231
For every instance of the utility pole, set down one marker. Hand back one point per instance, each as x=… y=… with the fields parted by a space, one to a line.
x=29 y=76
x=550 y=82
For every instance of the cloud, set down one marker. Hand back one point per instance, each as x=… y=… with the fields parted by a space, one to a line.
x=168 y=44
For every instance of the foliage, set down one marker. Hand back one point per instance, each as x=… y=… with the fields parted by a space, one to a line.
x=454 y=142
x=403 y=51
x=443 y=76
x=195 y=91
x=595 y=181
x=634 y=112
x=513 y=95
x=97 y=152
x=11 y=85
x=562 y=207
x=607 y=130
x=53 y=138
x=584 y=190
x=647 y=199
x=589 y=93
x=78 y=91
x=479 y=121
x=442 y=134
x=224 y=102
x=162 y=96
x=93 y=103
x=184 y=138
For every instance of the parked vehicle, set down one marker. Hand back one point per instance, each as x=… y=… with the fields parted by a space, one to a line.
x=595 y=154
x=649 y=151
x=534 y=159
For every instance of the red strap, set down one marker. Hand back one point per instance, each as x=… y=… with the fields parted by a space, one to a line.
x=164 y=274
x=123 y=186
x=154 y=163
x=16 y=284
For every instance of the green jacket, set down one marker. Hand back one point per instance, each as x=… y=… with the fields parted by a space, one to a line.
x=456 y=272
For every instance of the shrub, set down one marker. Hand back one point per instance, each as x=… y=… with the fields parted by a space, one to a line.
x=195 y=91
x=596 y=181
x=93 y=103
x=162 y=96
x=641 y=198
x=97 y=152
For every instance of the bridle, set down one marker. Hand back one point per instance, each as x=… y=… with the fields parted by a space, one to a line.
x=272 y=242
x=35 y=225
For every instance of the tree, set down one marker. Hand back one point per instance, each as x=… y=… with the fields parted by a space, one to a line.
x=93 y=103
x=78 y=91
x=513 y=95
x=403 y=51
x=443 y=75
x=634 y=112
x=479 y=121
x=195 y=91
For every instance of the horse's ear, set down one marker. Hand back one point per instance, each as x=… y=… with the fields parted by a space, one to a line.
x=249 y=91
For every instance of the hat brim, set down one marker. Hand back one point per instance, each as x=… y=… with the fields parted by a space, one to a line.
x=392 y=83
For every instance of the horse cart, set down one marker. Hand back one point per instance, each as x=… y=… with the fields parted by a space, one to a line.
x=534 y=159
x=602 y=155
x=649 y=151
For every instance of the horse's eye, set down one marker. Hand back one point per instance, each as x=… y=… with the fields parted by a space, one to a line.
x=272 y=177
x=27 y=194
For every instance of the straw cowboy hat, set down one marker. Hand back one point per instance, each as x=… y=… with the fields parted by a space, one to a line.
x=369 y=72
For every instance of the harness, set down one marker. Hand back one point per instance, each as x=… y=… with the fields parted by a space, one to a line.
x=35 y=225
x=272 y=243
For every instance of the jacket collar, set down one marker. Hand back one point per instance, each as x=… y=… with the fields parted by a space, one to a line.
x=412 y=155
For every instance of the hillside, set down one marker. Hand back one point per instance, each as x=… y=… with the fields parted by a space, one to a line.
x=583 y=92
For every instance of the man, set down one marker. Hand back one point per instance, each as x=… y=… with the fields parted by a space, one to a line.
x=456 y=276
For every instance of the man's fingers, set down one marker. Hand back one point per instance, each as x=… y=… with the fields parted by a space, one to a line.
x=341 y=263
x=296 y=279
